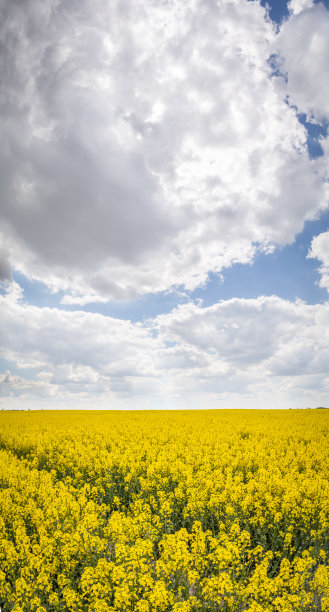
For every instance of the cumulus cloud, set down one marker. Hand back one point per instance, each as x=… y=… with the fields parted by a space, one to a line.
x=234 y=352
x=296 y=6
x=247 y=332
x=35 y=337
x=320 y=250
x=145 y=143
x=259 y=349
x=303 y=44
x=13 y=386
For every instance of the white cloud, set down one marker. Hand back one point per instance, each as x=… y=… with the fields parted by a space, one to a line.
x=13 y=386
x=256 y=350
x=144 y=144
x=296 y=6
x=236 y=353
x=248 y=332
x=320 y=250
x=41 y=336
x=303 y=43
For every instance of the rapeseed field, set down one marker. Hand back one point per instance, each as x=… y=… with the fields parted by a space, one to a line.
x=160 y=511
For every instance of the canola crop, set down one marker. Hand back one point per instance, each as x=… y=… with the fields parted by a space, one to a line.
x=164 y=511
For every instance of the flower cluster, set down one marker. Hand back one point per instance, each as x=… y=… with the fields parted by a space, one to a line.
x=164 y=511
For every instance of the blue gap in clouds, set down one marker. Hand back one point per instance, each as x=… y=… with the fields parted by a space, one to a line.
x=315 y=131
x=37 y=293
x=12 y=367
x=278 y=9
x=285 y=273
x=139 y=309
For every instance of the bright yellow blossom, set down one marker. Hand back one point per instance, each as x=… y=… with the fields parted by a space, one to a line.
x=164 y=511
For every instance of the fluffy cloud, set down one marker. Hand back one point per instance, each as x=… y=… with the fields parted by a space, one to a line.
x=303 y=44
x=257 y=350
x=296 y=6
x=72 y=354
x=145 y=143
x=320 y=250
x=238 y=352
x=244 y=333
x=35 y=337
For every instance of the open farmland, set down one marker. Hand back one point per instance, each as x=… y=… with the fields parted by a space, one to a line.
x=160 y=511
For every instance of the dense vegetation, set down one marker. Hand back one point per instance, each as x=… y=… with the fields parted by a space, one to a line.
x=159 y=511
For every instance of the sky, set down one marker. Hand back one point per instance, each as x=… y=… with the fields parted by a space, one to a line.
x=164 y=204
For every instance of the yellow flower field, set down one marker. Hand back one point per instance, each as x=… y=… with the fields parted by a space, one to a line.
x=159 y=511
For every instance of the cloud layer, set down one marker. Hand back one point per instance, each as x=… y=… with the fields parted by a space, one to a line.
x=146 y=144
x=241 y=352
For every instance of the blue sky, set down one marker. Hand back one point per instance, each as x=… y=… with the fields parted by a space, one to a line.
x=164 y=205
